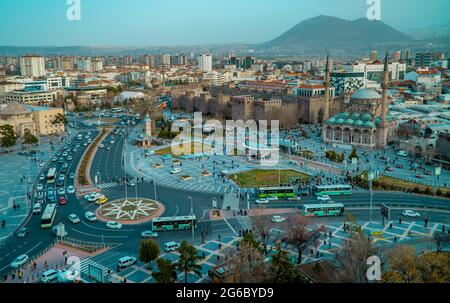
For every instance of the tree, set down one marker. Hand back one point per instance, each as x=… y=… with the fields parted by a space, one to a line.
x=188 y=260
x=205 y=229
x=9 y=137
x=246 y=265
x=441 y=239
x=405 y=266
x=281 y=268
x=166 y=271
x=354 y=154
x=29 y=138
x=320 y=116
x=60 y=119
x=352 y=259
x=299 y=235
x=263 y=226
x=148 y=250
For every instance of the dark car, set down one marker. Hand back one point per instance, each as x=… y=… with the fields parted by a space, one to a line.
x=23 y=232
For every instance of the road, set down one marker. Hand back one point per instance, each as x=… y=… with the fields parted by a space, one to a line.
x=108 y=165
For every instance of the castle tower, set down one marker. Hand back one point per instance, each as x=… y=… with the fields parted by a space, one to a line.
x=327 y=84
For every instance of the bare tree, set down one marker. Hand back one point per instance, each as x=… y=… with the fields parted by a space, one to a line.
x=351 y=260
x=262 y=227
x=441 y=239
x=247 y=265
x=299 y=234
x=205 y=229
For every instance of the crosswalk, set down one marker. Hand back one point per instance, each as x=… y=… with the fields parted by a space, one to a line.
x=84 y=267
x=107 y=185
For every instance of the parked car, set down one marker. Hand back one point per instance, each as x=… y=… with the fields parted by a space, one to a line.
x=49 y=275
x=272 y=198
x=72 y=175
x=39 y=187
x=61 y=191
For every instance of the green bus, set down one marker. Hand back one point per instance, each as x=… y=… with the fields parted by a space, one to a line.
x=281 y=192
x=332 y=190
x=323 y=210
x=174 y=223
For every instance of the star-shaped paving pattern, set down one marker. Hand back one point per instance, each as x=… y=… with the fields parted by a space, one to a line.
x=118 y=210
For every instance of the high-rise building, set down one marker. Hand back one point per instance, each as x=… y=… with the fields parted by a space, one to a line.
x=205 y=63
x=32 y=66
x=96 y=65
x=424 y=59
x=396 y=56
x=84 y=64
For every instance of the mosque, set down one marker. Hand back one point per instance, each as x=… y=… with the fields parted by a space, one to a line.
x=366 y=121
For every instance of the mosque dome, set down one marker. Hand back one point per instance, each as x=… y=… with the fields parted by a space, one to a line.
x=366 y=93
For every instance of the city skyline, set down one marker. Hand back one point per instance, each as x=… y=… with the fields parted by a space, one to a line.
x=159 y=23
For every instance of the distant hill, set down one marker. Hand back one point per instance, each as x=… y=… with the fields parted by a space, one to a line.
x=332 y=32
x=431 y=31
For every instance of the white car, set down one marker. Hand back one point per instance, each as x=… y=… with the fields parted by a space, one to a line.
x=37 y=208
x=102 y=145
x=19 y=261
x=39 y=187
x=149 y=234
x=114 y=225
x=262 y=201
x=175 y=171
x=272 y=198
x=70 y=189
x=324 y=198
x=61 y=191
x=402 y=153
x=42 y=177
x=296 y=198
x=410 y=213
x=92 y=197
x=74 y=219
x=90 y=216
x=278 y=219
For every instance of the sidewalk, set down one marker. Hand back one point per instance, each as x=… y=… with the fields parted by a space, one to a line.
x=52 y=259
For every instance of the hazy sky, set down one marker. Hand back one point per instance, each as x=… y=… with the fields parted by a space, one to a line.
x=187 y=22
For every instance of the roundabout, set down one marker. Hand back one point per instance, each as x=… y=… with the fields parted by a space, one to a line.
x=130 y=211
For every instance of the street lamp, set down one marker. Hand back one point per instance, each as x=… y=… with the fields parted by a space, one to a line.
x=192 y=214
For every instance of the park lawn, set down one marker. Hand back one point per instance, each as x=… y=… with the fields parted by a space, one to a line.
x=264 y=178
x=186 y=149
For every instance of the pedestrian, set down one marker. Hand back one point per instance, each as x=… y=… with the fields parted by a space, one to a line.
x=399 y=220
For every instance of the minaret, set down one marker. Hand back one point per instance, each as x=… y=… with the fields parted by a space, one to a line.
x=326 y=112
x=148 y=126
x=384 y=99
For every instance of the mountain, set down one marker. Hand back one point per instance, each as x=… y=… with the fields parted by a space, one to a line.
x=331 y=32
x=430 y=32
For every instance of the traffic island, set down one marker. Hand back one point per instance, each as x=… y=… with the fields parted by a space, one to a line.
x=130 y=211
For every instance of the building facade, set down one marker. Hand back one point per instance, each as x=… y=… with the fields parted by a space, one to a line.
x=32 y=66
